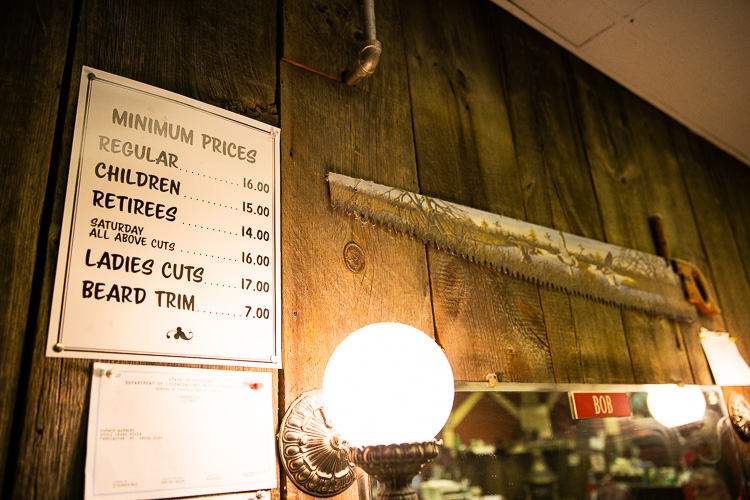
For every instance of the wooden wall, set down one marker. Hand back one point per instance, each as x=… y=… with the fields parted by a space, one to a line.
x=467 y=104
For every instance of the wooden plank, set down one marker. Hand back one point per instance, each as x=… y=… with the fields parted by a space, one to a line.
x=179 y=47
x=662 y=191
x=489 y=322
x=174 y=46
x=733 y=181
x=326 y=37
x=463 y=137
x=34 y=38
x=324 y=301
x=604 y=354
x=715 y=193
x=698 y=180
x=635 y=175
x=555 y=177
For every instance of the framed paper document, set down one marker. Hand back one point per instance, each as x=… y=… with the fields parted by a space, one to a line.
x=163 y=432
x=170 y=240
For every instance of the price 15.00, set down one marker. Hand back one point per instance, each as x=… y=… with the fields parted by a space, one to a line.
x=247 y=206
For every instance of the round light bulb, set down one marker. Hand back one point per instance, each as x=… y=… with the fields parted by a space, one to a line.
x=387 y=383
x=673 y=406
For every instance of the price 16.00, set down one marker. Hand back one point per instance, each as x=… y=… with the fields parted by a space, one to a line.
x=258 y=260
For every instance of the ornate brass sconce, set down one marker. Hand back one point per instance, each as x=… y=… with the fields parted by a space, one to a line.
x=385 y=362
x=311 y=452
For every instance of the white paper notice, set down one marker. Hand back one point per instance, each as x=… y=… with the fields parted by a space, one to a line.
x=162 y=432
x=170 y=242
x=725 y=360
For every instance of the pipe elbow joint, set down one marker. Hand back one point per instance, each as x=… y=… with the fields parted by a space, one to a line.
x=369 y=57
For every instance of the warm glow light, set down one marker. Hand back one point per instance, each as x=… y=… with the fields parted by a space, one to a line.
x=387 y=383
x=673 y=406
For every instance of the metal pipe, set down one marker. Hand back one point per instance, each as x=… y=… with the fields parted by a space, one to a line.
x=369 y=54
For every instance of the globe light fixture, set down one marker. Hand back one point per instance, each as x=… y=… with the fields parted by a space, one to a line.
x=387 y=391
x=675 y=406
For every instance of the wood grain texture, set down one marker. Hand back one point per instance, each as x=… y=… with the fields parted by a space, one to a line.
x=724 y=246
x=663 y=192
x=168 y=45
x=463 y=137
x=699 y=186
x=468 y=104
x=334 y=127
x=325 y=36
x=219 y=53
x=555 y=178
x=733 y=181
x=635 y=176
x=489 y=322
x=34 y=38
x=604 y=348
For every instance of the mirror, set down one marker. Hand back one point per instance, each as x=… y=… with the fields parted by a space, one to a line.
x=521 y=442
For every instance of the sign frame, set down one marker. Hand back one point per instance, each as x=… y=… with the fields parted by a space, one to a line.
x=220 y=141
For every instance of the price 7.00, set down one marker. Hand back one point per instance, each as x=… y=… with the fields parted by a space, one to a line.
x=259 y=313
x=259 y=260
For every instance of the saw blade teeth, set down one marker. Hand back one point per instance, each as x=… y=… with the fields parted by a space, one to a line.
x=524 y=258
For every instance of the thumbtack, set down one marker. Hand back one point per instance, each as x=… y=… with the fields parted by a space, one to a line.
x=113 y=373
x=491 y=379
x=58 y=347
x=92 y=76
x=254 y=385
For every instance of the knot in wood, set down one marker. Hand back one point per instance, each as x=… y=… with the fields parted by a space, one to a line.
x=354 y=257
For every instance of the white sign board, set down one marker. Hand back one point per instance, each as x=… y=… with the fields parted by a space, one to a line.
x=170 y=241
x=164 y=432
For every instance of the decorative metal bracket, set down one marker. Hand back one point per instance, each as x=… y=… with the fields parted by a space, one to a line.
x=311 y=451
x=395 y=465
x=739 y=414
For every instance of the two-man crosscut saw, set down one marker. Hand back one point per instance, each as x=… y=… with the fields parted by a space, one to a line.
x=608 y=273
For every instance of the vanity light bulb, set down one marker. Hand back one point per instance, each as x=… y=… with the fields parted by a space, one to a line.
x=387 y=383
x=673 y=406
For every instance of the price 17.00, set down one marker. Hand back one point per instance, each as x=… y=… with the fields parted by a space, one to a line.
x=259 y=286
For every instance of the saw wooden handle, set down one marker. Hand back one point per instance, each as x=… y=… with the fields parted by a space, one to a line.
x=696 y=287
x=694 y=283
x=660 y=240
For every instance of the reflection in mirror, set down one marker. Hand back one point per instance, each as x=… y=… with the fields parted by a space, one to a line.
x=521 y=441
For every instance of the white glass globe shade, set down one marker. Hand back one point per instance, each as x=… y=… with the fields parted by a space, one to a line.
x=387 y=383
x=673 y=406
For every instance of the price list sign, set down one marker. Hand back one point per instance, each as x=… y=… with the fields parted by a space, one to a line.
x=170 y=244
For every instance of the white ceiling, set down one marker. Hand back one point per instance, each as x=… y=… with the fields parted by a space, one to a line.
x=689 y=58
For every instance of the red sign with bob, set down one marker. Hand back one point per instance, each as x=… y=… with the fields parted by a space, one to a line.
x=599 y=404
